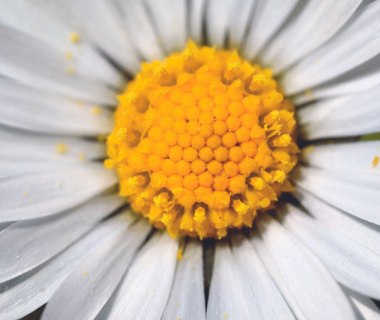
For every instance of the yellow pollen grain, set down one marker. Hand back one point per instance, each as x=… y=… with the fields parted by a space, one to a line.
x=70 y=70
x=202 y=142
x=85 y=273
x=225 y=316
x=375 y=161
x=74 y=37
x=25 y=193
x=62 y=148
x=82 y=157
x=68 y=55
x=179 y=254
x=96 y=110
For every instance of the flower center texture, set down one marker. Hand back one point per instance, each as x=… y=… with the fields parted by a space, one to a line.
x=202 y=142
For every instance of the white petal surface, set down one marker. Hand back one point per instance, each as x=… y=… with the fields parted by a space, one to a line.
x=265 y=297
x=360 y=79
x=31 y=19
x=18 y=144
x=186 y=300
x=196 y=14
x=355 y=193
x=227 y=298
x=5 y=225
x=351 y=156
x=267 y=18
x=85 y=291
x=307 y=32
x=239 y=17
x=358 y=116
x=42 y=66
x=351 y=263
x=307 y=279
x=170 y=19
x=318 y=110
x=366 y=307
x=364 y=232
x=28 y=292
x=98 y=22
x=10 y=168
x=51 y=193
x=27 y=244
x=140 y=29
x=145 y=290
x=354 y=45
x=270 y=266
x=27 y=108
x=217 y=21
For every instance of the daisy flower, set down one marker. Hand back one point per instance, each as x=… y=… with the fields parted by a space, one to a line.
x=190 y=159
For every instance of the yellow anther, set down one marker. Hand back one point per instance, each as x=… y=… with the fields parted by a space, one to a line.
x=160 y=72
x=200 y=145
x=200 y=215
x=279 y=175
x=258 y=183
x=121 y=134
x=74 y=37
x=282 y=141
x=240 y=207
x=132 y=97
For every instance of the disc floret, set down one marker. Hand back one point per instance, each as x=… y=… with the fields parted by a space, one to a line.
x=202 y=142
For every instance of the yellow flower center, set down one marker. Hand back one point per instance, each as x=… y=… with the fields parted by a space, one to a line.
x=202 y=142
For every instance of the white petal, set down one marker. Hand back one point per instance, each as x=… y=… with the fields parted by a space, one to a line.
x=99 y=22
x=307 y=279
x=196 y=14
x=265 y=297
x=145 y=290
x=358 y=116
x=217 y=21
x=28 y=292
x=141 y=29
x=351 y=263
x=272 y=269
x=366 y=307
x=267 y=18
x=17 y=144
x=227 y=297
x=51 y=193
x=308 y=31
x=170 y=19
x=33 y=62
x=239 y=21
x=27 y=108
x=27 y=244
x=354 y=45
x=320 y=109
x=88 y=287
x=364 y=232
x=186 y=300
x=355 y=193
x=33 y=20
x=352 y=156
x=9 y=168
x=4 y=225
x=360 y=79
